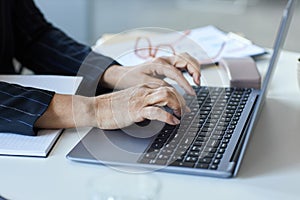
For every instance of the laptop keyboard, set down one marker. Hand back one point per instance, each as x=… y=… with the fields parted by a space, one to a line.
x=201 y=139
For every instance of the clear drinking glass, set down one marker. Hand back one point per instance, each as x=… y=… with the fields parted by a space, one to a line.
x=124 y=186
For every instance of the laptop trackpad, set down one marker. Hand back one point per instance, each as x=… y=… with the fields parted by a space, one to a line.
x=126 y=145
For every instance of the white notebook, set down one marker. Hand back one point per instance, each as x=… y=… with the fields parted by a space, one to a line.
x=21 y=145
x=40 y=145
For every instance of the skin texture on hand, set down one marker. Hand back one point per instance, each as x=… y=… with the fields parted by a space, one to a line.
x=135 y=104
x=118 y=77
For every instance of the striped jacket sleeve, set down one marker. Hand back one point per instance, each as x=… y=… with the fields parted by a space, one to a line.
x=20 y=107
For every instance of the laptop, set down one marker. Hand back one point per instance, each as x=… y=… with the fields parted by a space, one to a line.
x=210 y=140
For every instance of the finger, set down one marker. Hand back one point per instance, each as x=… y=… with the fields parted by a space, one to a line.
x=195 y=73
x=189 y=63
x=156 y=81
x=152 y=84
x=167 y=96
x=176 y=75
x=194 y=69
x=156 y=113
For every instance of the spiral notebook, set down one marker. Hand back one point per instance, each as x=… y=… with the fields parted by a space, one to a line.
x=40 y=145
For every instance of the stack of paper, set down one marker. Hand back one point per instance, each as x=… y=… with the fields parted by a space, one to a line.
x=208 y=44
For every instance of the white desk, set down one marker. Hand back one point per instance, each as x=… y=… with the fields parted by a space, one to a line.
x=271 y=167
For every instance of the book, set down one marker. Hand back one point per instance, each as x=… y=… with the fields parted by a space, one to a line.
x=40 y=145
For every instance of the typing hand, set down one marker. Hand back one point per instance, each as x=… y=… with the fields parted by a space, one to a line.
x=154 y=71
x=135 y=104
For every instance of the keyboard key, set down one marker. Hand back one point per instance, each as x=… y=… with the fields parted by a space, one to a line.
x=157 y=145
x=150 y=155
x=205 y=160
x=216 y=137
x=202 y=139
x=160 y=162
x=221 y=151
x=207 y=155
x=220 y=133
x=224 y=145
x=202 y=165
x=182 y=164
x=178 y=158
x=204 y=134
x=227 y=136
x=194 y=153
x=213 y=143
x=210 y=149
x=197 y=148
x=216 y=161
x=214 y=167
x=145 y=160
x=166 y=151
x=207 y=129
x=219 y=156
x=163 y=157
x=191 y=159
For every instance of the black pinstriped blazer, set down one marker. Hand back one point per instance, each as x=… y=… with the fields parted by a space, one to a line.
x=28 y=37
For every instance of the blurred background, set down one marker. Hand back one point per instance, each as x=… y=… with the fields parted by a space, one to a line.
x=88 y=20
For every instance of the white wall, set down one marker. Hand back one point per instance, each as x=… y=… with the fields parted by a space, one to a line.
x=257 y=19
x=87 y=20
x=69 y=15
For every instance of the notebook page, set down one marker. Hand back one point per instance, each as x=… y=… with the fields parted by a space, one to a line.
x=21 y=145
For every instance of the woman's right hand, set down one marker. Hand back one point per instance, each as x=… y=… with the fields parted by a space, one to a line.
x=114 y=110
x=135 y=104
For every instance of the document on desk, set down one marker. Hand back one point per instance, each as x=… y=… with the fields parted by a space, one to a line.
x=40 y=145
x=208 y=44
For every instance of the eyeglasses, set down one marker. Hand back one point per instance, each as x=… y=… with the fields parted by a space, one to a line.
x=144 y=48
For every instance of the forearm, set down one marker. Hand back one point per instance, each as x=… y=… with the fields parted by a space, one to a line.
x=68 y=111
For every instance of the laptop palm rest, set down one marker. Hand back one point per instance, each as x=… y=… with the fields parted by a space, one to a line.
x=115 y=146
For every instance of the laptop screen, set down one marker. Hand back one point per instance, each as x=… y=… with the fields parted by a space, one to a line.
x=280 y=38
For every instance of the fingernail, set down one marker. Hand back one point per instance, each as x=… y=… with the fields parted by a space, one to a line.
x=176 y=121
x=187 y=109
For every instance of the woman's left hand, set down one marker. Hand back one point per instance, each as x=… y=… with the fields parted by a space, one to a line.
x=154 y=71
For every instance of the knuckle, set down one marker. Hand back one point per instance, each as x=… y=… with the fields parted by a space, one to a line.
x=164 y=92
x=185 y=54
x=141 y=89
x=160 y=60
x=168 y=91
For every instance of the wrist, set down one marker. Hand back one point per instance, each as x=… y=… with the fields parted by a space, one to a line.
x=68 y=111
x=103 y=112
x=84 y=111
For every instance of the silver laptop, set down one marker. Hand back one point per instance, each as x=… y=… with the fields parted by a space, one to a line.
x=210 y=140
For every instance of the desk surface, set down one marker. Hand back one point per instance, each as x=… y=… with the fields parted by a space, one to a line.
x=270 y=170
